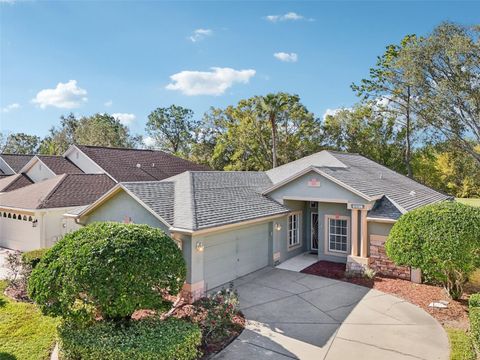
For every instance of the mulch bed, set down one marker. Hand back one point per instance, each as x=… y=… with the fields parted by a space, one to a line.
x=422 y=295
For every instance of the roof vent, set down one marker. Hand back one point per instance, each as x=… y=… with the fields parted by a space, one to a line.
x=153 y=164
x=139 y=166
x=413 y=193
x=381 y=176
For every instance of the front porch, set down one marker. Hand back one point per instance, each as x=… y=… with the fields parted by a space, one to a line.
x=333 y=231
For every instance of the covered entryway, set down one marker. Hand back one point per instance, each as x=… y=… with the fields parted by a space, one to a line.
x=231 y=254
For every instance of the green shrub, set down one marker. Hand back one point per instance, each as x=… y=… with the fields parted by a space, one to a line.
x=474 y=316
x=474 y=300
x=108 y=270
x=32 y=258
x=142 y=340
x=442 y=239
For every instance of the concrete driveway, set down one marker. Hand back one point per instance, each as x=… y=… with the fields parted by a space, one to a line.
x=297 y=316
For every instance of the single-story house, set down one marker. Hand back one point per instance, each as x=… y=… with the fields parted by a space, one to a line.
x=31 y=217
x=228 y=224
x=37 y=192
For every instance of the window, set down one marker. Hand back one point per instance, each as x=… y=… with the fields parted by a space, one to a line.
x=293 y=229
x=337 y=235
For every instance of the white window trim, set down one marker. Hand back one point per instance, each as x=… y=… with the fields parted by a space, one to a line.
x=298 y=230
x=327 y=250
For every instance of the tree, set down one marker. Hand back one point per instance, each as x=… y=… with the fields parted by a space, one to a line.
x=443 y=240
x=97 y=130
x=271 y=105
x=243 y=139
x=21 y=143
x=172 y=129
x=448 y=168
x=90 y=274
x=445 y=68
x=363 y=130
x=391 y=90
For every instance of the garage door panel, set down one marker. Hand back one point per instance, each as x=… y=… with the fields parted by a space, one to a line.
x=234 y=254
x=18 y=235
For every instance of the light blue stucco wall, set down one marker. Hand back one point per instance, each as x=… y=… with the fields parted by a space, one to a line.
x=121 y=206
x=328 y=190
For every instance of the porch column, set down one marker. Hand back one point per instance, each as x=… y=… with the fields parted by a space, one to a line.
x=354 y=232
x=364 y=234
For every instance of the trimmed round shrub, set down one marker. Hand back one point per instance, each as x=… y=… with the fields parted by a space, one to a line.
x=107 y=271
x=442 y=239
x=143 y=340
x=32 y=258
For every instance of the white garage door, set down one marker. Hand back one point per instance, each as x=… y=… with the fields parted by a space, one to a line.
x=232 y=254
x=18 y=234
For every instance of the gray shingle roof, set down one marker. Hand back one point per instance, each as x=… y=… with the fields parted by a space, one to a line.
x=130 y=165
x=373 y=180
x=158 y=196
x=204 y=199
x=16 y=161
x=384 y=209
x=14 y=182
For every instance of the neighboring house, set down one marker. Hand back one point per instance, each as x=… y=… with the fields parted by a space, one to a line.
x=32 y=217
x=43 y=167
x=341 y=206
x=11 y=164
x=36 y=176
x=129 y=164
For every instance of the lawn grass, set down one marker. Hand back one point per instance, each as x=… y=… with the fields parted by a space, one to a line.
x=471 y=201
x=461 y=345
x=25 y=334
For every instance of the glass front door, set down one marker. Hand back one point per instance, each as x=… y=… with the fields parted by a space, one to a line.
x=314 y=232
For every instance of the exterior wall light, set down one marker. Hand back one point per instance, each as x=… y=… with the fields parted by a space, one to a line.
x=34 y=223
x=199 y=246
x=278 y=227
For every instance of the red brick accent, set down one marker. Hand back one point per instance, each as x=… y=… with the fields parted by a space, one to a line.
x=380 y=262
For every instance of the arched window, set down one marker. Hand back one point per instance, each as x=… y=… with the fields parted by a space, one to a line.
x=9 y=215
x=19 y=217
x=30 y=218
x=4 y=214
x=15 y=216
x=24 y=217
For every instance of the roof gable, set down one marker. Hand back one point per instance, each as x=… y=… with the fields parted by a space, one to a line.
x=16 y=161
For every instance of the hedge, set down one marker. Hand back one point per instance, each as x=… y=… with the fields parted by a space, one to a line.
x=172 y=339
x=32 y=258
x=474 y=316
x=108 y=270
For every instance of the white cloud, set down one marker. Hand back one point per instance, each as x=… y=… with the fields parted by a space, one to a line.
x=286 y=57
x=10 y=107
x=124 y=118
x=108 y=103
x=7 y=1
x=290 y=16
x=200 y=34
x=66 y=96
x=331 y=112
x=213 y=82
x=149 y=141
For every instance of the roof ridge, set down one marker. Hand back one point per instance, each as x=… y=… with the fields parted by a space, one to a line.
x=9 y=154
x=52 y=191
x=193 y=202
x=120 y=148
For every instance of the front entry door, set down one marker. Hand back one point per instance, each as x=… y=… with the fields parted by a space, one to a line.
x=314 y=232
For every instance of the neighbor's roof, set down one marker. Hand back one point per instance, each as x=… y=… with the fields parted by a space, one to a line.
x=138 y=165
x=13 y=182
x=59 y=165
x=204 y=199
x=363 y=175
x=15 y=161
x=60 y=191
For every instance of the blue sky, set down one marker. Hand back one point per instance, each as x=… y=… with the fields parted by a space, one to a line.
x=128 y=58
